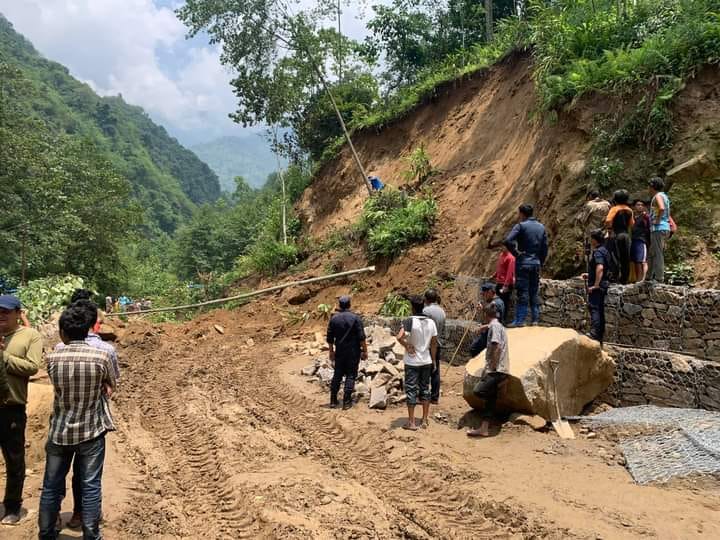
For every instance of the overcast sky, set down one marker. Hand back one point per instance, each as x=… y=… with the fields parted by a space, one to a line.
x=137 y=48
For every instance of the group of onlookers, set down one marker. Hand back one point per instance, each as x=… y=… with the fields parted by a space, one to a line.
x=84 y=372
x=623 y=244
x=122 y=304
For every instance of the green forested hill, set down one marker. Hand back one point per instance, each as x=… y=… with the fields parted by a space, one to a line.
x=167 y=179
x=249 y=157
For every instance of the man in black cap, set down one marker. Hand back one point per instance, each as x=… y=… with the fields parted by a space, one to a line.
x=489 y=296
x=21 y=350
x=346 y=339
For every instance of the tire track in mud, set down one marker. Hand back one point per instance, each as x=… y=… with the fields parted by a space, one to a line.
x=435 y=506
x=199 y=476
x=178 y=407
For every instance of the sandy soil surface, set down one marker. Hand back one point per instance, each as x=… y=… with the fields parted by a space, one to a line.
x=219 y=437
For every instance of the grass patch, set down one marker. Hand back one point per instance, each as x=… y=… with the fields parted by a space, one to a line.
x=392 y=220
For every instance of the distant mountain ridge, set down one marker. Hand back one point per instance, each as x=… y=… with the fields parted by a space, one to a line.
x=249 y=156
x=167 y=179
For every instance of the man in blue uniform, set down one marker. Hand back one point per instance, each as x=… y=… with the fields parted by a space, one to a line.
x=346 y=339
x=528 y=242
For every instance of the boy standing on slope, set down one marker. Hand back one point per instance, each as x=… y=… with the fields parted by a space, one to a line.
x=418 y=335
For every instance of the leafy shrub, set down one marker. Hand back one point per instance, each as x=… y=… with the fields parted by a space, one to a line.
x=395 y=306
x=680 y=274
x=43 y=297
x=268 y=257
x=392 y=221
x=420 y=167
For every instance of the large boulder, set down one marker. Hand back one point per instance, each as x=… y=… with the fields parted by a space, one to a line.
x=584 y=371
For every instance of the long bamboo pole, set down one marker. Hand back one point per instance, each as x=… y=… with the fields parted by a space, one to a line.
x=247 y=295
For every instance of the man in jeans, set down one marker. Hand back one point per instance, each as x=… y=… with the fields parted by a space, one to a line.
x=437 y=314
x=21 y=352
x=528 y=242
x=81 y=298
x=81 y=375
x=659 y=229
x=497 y=368
x=418 y=335
x=347 y=345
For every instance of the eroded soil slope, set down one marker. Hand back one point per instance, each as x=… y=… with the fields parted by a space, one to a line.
x=494 y=151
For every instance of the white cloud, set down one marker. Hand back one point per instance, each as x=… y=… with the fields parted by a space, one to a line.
x=137 y=48
x=134 y=48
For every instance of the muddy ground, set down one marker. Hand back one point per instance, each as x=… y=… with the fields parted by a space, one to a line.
x=220 y=438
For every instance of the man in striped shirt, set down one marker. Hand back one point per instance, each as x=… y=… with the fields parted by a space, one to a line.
x=81 y=375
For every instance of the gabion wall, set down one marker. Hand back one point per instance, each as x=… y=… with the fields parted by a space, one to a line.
x=665 y=317
x=662 y=378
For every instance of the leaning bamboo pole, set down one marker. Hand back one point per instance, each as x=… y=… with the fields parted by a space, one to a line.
x=246 y=295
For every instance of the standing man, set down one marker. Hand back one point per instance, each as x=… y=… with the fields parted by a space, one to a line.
x=81 y=417
x=528 y=243
x=619 y=223
x=592 y=217
x=497 y=368
x=505 y=279
x=437 y=314
x=346 y=339
x=597 y=285
x=660 y=229
x=418 y=335
x=93 y=340
x=488 y=298
x=21 y=349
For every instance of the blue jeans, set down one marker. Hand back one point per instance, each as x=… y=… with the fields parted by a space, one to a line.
x=527 y=284
x=89 y=458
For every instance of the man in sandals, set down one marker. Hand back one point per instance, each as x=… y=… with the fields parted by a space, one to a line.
x=497 y=367
x=418 y=335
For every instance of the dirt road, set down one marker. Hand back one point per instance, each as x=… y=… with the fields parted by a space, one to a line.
x=219 y=438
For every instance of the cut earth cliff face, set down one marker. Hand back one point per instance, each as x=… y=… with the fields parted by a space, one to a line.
x=493 y=151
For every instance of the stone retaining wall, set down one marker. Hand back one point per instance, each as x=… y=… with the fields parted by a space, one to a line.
x=662 y=378
x=680 y=319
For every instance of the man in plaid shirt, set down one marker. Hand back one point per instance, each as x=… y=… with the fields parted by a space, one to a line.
x=83 y=377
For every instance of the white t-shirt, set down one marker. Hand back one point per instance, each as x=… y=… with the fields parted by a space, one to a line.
x=420 y=330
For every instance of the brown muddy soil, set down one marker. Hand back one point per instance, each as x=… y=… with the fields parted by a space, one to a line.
x=220 y=438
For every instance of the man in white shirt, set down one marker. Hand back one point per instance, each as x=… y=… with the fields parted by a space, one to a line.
x=497 y=368
x=418 y=335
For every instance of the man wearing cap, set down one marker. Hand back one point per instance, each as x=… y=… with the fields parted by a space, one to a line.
x=488 y=297
x=346 y=339
x=21 y=349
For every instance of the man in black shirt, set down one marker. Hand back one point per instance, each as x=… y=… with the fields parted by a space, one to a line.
x=597 y=284
x=346 y=339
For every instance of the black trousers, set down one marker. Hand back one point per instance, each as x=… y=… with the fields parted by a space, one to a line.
x=620 y=245
x=347 y=368
x=596 y=305
x=487 y=390
x=12 y=442
x=435 y=380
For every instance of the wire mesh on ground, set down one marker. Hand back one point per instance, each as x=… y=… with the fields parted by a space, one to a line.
x=686 y=442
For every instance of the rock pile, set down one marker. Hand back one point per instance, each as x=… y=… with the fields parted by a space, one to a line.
x=380 y=377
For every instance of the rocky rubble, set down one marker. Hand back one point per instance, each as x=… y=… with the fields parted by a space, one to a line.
x=380 y=377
